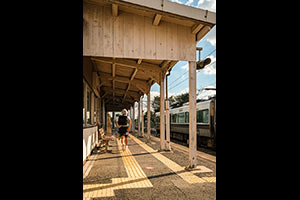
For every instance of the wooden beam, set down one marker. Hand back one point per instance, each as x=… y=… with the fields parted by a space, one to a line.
x=129 y=63
x=142 y=117
x=162 y=111
x=133 y=74
x=106 y=93
x=114 y=10
x=196 y=28
x=138 y=83
x=165 y=64
x=113 y=70
x=150 y=70
x=121 y=91
x=126 y=91
x=156 y=19
x=131 y=79
x=171 y=64
x=202 y=33
x=192 y=116
x=139 y=117
x=118 y=100
x=148 y=117
x=170 y=9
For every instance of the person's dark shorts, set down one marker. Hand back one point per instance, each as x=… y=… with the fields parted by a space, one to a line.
x=123 y=131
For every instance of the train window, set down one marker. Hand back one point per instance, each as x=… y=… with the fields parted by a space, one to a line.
x=186 y=117
x=181 y=118
x=173 y=117
x=202 y=116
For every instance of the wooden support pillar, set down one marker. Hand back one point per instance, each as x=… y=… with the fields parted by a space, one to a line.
x=103 y=115
x=168 y=142
x=115 y=10
x=192 y=116
x=139 y=118
x=133 y=118
x=148 y=117
x=100 y=111
x=85 y=102
x=162 y=112
x=142 y=116
x=113 y=120
x=92 y=108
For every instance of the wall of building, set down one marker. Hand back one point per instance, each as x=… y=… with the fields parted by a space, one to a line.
x=90 y=139
x=90 y=132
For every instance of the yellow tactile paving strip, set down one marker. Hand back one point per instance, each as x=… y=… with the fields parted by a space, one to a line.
x=185 y=175
x=136 y=179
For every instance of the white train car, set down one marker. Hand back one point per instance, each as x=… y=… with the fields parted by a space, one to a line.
x=206 y=123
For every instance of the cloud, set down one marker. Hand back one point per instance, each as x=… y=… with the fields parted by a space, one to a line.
x=200 y=2
x=185 y=67
x=176 y=1
x=205 y=94
x=211 y=36
x=185 y=90
x=211 y=68
x=211 y=39
x=207 y=5
x=189 y=2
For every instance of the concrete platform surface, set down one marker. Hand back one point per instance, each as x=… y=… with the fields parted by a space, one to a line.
x=143 y=173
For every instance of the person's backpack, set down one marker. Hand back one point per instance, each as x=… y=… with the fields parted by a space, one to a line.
x=122 y=120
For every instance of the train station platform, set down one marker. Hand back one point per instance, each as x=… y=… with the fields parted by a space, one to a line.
x=141 y=172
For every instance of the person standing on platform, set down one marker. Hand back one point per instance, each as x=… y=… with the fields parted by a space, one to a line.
x=124 y=124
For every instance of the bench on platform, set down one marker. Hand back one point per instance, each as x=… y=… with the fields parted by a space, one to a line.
x=105 y=138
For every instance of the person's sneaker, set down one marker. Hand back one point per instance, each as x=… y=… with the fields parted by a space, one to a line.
x=123 y=147
x=126 y=148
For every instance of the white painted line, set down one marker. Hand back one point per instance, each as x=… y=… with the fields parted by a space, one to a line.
x=186 y=149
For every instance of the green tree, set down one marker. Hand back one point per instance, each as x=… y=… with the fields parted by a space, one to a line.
x=156 y=103
x=172 y=100
x=182 y=98
x=152 y=119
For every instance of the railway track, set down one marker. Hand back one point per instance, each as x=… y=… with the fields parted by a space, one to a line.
x=205 y=153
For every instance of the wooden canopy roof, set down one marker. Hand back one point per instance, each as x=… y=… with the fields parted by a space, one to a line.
x=132 y=43
x=124 y=81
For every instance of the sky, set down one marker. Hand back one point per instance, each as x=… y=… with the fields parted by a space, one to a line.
x=178 y=80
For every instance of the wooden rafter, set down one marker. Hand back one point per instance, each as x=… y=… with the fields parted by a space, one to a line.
x=150 y=70
x=196 y=28
x=107 y=77
x=114 y=10
x=113 y=74
x=165 y=64
x=131 y=79
x=156 y=19
x=202 y=33
x=139 y=61
x=134 y=94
